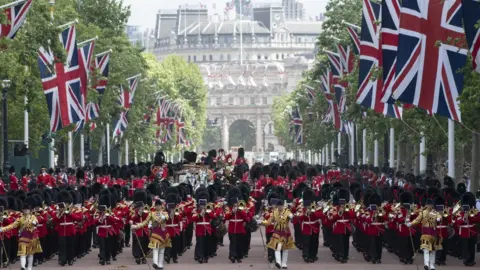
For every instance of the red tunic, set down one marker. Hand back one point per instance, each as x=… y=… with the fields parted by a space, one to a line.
x=236 y=221
x=202 y=223
x=13 y=182
x=65 y=225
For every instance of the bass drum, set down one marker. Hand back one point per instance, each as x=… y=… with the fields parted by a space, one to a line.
x=251 y=226
x=221 y=231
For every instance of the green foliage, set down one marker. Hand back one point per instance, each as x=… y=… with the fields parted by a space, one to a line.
x=105 y=19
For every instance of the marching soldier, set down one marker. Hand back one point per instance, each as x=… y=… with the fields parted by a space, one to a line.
x=203 y=227
x=139 y=214
x=402 y=216
x=236 y=216
x=105 y=221
x=308 y=221
x=174 y=227
x=466 y=219
x=340 y=214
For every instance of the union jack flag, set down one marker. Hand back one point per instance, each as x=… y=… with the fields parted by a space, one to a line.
x=121 y=124
x=62 y=85
x=333 y=112
x=125 y=98
x=102 y=63
x=92 y=111
x=426 y=70
x=162 y=117
x=310 y=93
x=15 y=14
x=346 y=58
x=389 y=34
x=352 y=30
x=296 y=126
x=471 y=17
x=85 y=54
x=181 y=133
x=371 y=61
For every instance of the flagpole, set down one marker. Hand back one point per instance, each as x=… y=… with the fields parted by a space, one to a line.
x=375 y=153
x=333 y=151
x=364 y=147
x=339 y=143
x=241 y=33
x=51 y=144
x=133 y=77
x=451 y=148
x=26 y=128
x=392 y=148
x=68 y=24
x=69 y=150
x=82 y=150
x=87 y=41
x=126 y=152
x=108 y=144
x=352 y=25
x=103 y=53
x=423 y=158
x=12 y=4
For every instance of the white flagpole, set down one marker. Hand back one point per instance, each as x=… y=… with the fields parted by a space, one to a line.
x=12 y=4
x=126 y=152
x=364 y=147
x=339 y=143
x=70 y=150
x=333 y=151
x=392 y=148
x=375 y=153
x=352 y=147
x=25 y=124
x=451 y=148
x=423 y=158
x=108 y=144
x=135 y=156
x=82 y=150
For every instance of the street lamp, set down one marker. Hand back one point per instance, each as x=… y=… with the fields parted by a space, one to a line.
x=6 y=163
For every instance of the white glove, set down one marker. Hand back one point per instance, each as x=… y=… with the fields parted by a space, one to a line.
x=134 y=227
x=34 y=223
x=163 y=217
x=290 y=216
x=1 y=230
x=409 y=224
x=149 y=225
x=259 y=222
x=439 y=219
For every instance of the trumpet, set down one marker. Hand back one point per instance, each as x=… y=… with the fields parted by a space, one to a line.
x=445 y=213
x=108 y=212
x=177 y=212
x=347 y=207
x=208 y=208
x=146 y=209
x=380 y=212
x=67 y=210
x=242 y=205
x=456 y=208
x=472 y=212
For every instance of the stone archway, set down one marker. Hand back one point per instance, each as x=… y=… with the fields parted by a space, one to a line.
x=241 y=133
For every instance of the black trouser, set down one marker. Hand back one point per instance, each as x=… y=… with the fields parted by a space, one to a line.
x=127 y=235
x=66 y=248
x=172 y=252
x=212 y=245
x=297 y=234
x=375 y=247
x=91 y=230
x=189 y=234
x=327 y=234
x=310 y=246
x=405 y=247
x=441 y=255
x=271 y=252
x=4 y=252
x=468 y=249
x=139 y=246
x=201 y=248
x=246 y=246
x=235 y=248
x=13 y=248
x=107 y=246
x=341 y=244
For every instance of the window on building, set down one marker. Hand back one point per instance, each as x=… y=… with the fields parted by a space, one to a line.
x=264 y=101
x=299 y=40
x=277 y=56
x=219 y=101
x=270 y=128
x=242 y=101
x=194 y=58
x=283 y=56
x=230 y=101
x=266 y=57
x=204 y=58
x=221 y=57
x=252 y=101
x=229 y=57
x=259 y=57
x=189 y=58
x=210 y=57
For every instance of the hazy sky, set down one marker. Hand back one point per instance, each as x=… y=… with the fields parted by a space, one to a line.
x=144 y=11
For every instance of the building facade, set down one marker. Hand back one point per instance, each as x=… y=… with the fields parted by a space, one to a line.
x=245 y=63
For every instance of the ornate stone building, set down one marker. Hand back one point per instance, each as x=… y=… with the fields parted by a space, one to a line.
x=246 y=63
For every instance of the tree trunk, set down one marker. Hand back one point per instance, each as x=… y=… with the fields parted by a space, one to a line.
x=416 y=151
x=474 y=182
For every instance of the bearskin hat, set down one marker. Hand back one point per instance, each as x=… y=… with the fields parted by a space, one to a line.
x=281 y=191
x=11 y=169
x=266 y=170
x=104 y=200
x=4 y=203
x=337 y=185
x=159 y=158
x=212 y=195
x=171 y=198
x=12 y=203
x=406 y=197
x=241 y=152
x=461 y=188
x=272 y=195
x=32 y=185
x=38 y=199
x=354 y=186
x=344 y=194
x=433 y=191
x=376 y=199
x=448 y=182
x=172 y=190
x=325 y=192
x=64 y=197
x=201 y=196
x=438 y=200
x=297 y=192
x=468 y=199
x=358 y=194
x=47 y=198
x=74 y=195
x=234 y=194
x=311 y=172
x=29 y=203
x=192 y=157
x=154 y=188
x=308 y=196
x=245 y=189
x=80 y=174
x=96 y=187
x=366 y=196
x=140 y=196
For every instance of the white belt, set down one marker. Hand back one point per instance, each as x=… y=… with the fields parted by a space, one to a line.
x=236 y=220
x=442 y=226
x=467 y=226
x=39 y=225
x=377 y=223
x=104 y=226
x=203 y=223
x=172 y=225
x=256 y=190
x=309 y=222
x=66 y=223
x=343 y=220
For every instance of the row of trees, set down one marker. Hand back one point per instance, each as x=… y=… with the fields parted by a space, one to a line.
x=105 y=19
x=407 y=131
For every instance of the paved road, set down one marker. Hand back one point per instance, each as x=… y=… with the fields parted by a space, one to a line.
x=255 y=260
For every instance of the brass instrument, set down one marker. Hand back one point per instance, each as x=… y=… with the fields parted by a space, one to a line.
x=177 y=212
x=473 y=212
x=242 y=205
x=208 y=208
x=359 y=205
x=313 y=207
x=327 y=207
x=456 y=208
x=108 y=212
x=347 y=207
x=146 y=209
x=445 y=213
x=67 y=210
x=380 y=212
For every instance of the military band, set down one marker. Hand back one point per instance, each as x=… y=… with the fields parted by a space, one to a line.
x=162 y=209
